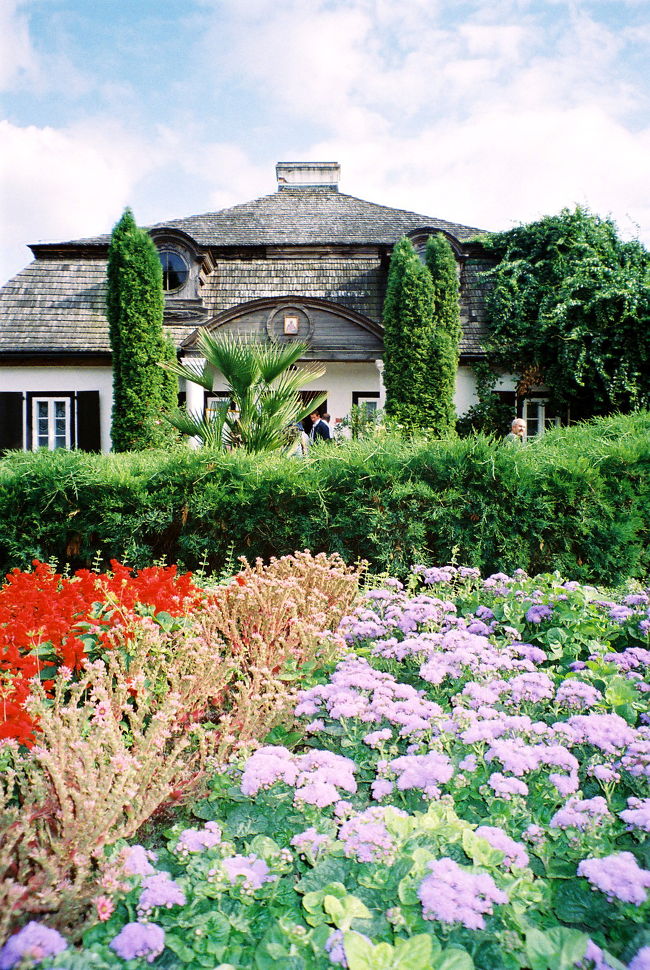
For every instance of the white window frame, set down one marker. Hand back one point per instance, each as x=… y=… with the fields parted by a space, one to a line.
x=367 y=399
x=215 y=401
x=544 y=422
x=51 y=400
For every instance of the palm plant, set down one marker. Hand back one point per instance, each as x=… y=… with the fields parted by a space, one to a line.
x=263 y=383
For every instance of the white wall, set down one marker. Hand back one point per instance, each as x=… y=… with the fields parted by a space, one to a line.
x=66 y=379
x=339 y=380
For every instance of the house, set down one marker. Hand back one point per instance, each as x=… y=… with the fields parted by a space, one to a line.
x=306 y=261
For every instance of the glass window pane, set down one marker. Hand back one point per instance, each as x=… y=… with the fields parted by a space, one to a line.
x=175 y=271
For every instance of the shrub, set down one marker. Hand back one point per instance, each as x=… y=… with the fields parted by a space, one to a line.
x=577 y=500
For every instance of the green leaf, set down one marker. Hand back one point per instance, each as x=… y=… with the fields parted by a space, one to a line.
x=344 y=910
x=165 y=620
x=358 y=952
x=453 y=959
x=179 y=947
x=620 y=691
x=413 y=954
x=573 y=902
x=559 y=948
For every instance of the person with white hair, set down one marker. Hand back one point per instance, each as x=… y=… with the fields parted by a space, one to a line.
x=517 y=435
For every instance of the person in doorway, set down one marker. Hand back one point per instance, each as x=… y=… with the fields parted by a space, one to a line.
x=517 y=435
x=320 y=430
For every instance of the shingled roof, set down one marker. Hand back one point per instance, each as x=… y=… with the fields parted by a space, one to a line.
x=299 y=216
x=57 y=304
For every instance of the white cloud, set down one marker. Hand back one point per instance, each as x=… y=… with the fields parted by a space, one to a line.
x=61 y=184
x=487 y=115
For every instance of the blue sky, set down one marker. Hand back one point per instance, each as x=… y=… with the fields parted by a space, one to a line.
x=486 y=114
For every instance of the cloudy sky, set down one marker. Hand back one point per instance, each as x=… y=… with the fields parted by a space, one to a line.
x=488 y=114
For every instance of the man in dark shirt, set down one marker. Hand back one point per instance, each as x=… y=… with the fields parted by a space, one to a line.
x=320 y=430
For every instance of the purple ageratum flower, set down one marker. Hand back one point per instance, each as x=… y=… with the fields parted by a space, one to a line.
x=326 y=767
x=565 y=784
x=375 y=738
x=515 y=855
x=585 y=813
x=641 y=961
x=608 y=732
x=631 y=658
x=532 y=687
x=311 y=841
x=316 y=775
x=197 y=840
x=478 y=627
x=484 y=613
x=620 y=613
x=381 y=788
x=515 y=755
x=535 y=654
x=636 y=759
x=33 y=942
x=422 y=771
x=637 y=813
x=576 y=694
x=507 y=787
x=452 y=894
x=335 y=949
x=139 y=940
x=578 y=665
x=266 y=766
x=318 y=793
x=252 y=870
x=469 y=763
x=496 y=580
x=366 y=837
x=604 y=773
x=159 y=890
x=136 y=861
x=594 y=954
x=636 y=599
x=618 y=876
x=539 y=612
x=435 y=574
x=644 y=627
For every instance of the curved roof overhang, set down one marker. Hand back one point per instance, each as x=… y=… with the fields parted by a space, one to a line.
x=290 y=300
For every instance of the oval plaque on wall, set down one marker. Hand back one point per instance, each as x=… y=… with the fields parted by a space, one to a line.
x=289 y=322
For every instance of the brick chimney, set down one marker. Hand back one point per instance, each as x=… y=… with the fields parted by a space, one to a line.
x=294 y=175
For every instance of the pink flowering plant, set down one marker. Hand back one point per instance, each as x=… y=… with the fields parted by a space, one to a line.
x=466 y=787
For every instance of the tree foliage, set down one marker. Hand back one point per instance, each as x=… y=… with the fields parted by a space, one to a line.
x=264 y=385
x=445 y=334
x=571 y=302
x=408 y=323
x=135 y=305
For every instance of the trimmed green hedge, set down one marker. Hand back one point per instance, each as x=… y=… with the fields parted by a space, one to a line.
x=578 y=501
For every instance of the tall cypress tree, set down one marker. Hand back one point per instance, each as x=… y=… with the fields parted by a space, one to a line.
x=408 y=316
x=135 y=305
x=445 y=334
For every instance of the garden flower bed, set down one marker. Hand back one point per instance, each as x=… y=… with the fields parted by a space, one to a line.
x=466 y=787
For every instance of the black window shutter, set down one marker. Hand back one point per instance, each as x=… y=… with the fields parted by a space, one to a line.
x=88 y=436
x=11 y=420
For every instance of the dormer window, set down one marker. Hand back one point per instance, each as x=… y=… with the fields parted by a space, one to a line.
x=175 y=270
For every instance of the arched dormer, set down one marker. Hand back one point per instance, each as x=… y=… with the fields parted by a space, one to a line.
x=419 y=237
x=181 y=261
